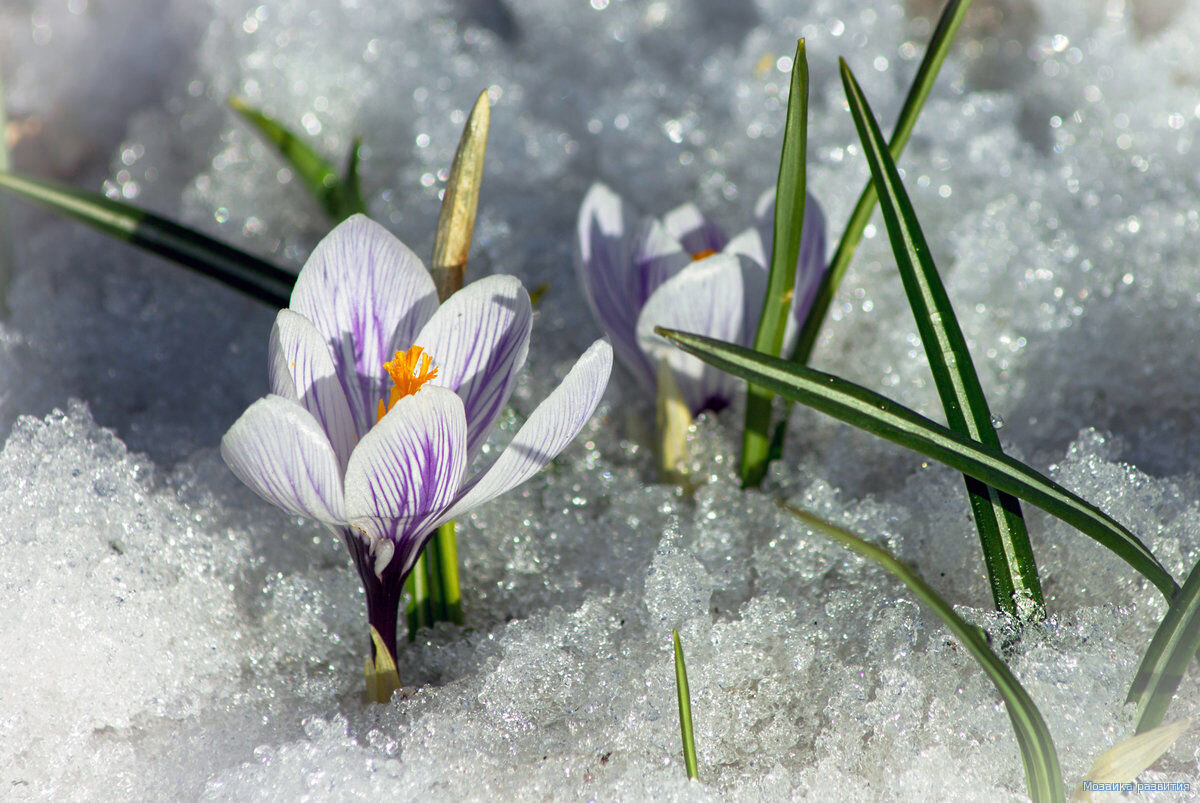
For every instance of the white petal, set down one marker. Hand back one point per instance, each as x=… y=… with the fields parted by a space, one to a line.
x=302 y=370
x=718 y=297
x=365 y=292
x=749 y=244
x=408 y=468
x=280 y=451
x=692 y=230
x=620 y=260
x=478 y=340
x=547 y=432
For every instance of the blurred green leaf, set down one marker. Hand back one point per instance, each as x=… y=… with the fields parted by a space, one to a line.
x=337 y=198
x=1042 y=775
x=253 y=276
x=881 y=416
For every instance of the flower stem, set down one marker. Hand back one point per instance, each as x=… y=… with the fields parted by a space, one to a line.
x=447 y=550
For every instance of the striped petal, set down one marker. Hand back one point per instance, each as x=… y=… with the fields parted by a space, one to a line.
x=547 y=432
x=280 y=451
x=302 y=370
x=620 y=261
x=693 y=231
x=479 y=340
x=407 y=470
x=719 y=297
x=367 y=294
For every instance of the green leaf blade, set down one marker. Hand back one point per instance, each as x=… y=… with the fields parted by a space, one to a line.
x=685 y=711
x=336 y=198
x=790 y=193
x=253 y=276
x=871 y=412
x=1175 y=644
x=1043 y=778
x=1008 y=554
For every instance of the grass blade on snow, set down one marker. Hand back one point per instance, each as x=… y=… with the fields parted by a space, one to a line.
x=789 y=223
x=871 y=412
x=1006 y=551
x=339 y=199
x=253 y=276
x=1042 y=775
x=685 y=710
x=1172 y=649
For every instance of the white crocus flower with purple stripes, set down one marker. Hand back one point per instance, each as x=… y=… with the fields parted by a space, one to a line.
x=380 y=400
x=682 y=272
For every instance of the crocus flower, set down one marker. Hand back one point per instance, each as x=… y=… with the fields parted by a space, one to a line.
x=380 y=400
x=682 y=272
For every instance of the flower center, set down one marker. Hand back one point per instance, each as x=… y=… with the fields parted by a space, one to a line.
x=409 y=370
x=705 y=254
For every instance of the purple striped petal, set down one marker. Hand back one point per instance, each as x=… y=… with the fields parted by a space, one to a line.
x=548 y=430
x=280 y=451
x=406 y=471
x=693 y=231
x=619 y=262
x=302 y=370
x=719 y=297
x=478 y=340
x=365 y=292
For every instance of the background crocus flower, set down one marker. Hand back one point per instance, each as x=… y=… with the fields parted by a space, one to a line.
x=684 y=273
x=380 y=399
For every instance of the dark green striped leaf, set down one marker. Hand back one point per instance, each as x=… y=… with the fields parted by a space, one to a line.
x=881 y=416
x=1007 y=554
x=253 y=276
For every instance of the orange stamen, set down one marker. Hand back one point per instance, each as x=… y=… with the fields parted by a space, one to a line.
x=703 y=255
x=409 y=371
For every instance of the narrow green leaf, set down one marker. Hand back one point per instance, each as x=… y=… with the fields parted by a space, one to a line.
x=789 y=223
x=456 y=223
x=253 y=276
x=6 y=242
x=336 y=199
x=420 y=602
x=1007 y=554
x=1173 y=647
x=881 y=416
x=451 y=594
x=939 y=45
x=1042 y=775
x=685 y=710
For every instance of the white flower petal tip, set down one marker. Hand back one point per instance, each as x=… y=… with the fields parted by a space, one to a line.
x=280 y=451
x=547 y=431
x=1124 y=762
x=479 y=340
